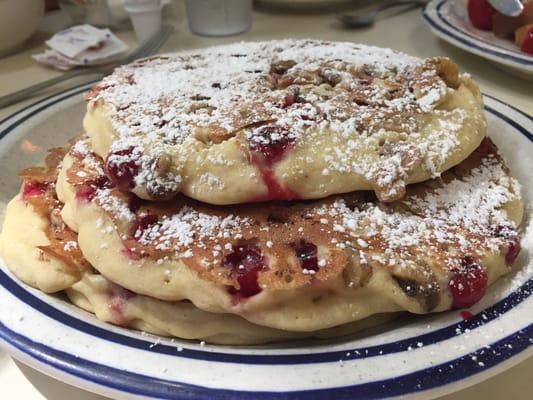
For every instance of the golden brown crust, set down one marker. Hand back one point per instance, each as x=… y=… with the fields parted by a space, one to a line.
x=290 y=237
x=38 y=190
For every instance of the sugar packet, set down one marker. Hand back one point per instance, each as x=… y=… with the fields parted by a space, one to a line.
x=73 y=41
x=82 y=45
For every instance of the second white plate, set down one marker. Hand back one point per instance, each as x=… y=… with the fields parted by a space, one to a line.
x=448 y=19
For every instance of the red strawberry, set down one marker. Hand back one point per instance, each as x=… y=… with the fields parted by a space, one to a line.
x=480 y=13
x=527 y=42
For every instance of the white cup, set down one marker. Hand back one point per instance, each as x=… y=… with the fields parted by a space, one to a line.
x=145 y=16
x=219 y=17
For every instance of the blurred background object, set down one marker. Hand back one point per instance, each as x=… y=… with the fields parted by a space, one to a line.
x=219 y=18
x=18 y=21
x=94 y=12
x=145 y=16
x=368 y=17
x=310 y=6
x=511 y=8
x=105 y=13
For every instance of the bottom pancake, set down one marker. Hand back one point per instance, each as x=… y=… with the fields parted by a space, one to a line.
x=34 y=257
x=114 y=304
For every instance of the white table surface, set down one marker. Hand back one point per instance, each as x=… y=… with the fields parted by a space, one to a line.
x=406 y=32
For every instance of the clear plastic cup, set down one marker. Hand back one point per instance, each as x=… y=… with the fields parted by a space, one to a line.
x=219 y=17
x=145 y=16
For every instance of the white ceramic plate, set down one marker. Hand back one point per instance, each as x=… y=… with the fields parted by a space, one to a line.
x=448 y=19
x=418 y=356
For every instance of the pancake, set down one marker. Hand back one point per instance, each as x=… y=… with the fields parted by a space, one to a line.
x=282 y=120
x=34 y=233
x=303 y=266
x=114 y=304
x=43 y=252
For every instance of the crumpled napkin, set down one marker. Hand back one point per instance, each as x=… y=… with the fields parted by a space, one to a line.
x=81 y=45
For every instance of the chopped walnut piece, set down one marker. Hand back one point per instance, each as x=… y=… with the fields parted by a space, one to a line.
x=401 y=158
x=447 y=70
x=282 y=66
x=163 y=163
x=427 y=293
x=330 y=76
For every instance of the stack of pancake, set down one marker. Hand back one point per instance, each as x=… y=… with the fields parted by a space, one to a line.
x=268 y=191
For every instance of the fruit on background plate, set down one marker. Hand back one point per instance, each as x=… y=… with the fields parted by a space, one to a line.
x=503 y=25
x=480 y=13
x=524 y=38
x=483 y=16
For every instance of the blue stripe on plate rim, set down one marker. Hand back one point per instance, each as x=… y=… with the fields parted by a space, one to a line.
x=472 y=44
x=425 y=379
x=143 y=385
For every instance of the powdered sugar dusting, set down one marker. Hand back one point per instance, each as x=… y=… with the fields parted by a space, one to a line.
x=187 y=226
x=114 y=205
x=167 y=105
x=81 y=149
x=437 y=222
x=463 y=213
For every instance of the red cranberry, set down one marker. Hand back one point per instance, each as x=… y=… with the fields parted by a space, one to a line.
x=513 y=242
x=122 y=293
x=121 y=168
x=33 y=189
x=480 y=13
x=130 y=253
x=468 y=283
x=86 y=193
x=527 y=44
x=246 y=261
x=142 y=223
x=513 y=249
x=134 y=203
x=293 y=96
x=275 y=190
x=271 y=143
x=118 y=302
x=307 y=254
x=289 y=100
x=466 y=315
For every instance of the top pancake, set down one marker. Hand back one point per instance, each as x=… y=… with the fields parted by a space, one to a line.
x=282 y=120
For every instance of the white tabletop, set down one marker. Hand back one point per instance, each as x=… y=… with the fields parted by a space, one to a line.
x=405 y=32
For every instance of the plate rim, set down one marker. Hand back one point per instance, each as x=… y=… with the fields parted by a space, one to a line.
x=451 y=34
x=134 y=384
x=519 y=352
